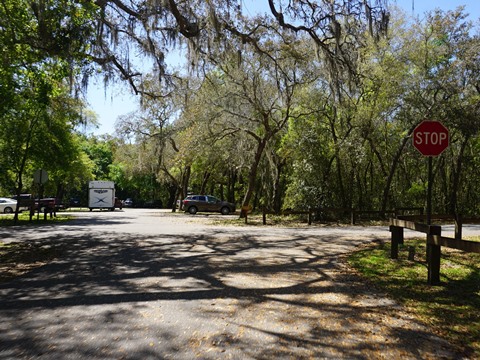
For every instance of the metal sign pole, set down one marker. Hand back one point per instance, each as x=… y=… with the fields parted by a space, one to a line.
x=38 y=201
x=429 y=191
x=40 y=177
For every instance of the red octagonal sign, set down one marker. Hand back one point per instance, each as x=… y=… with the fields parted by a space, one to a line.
x=430 y=138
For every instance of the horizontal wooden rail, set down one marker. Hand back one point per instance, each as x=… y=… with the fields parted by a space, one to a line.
x=464 y=245
x=295 y=212
x=354 y=214
x=411 y=225
x=445 y=217
x=312 y=210
x=402 y=209
x=287 y=212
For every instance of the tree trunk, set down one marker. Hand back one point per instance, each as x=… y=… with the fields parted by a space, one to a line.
x=22 y=168
x=232 y=180
x=456 y=177
x=173 y=195
x=252 y=175
x=393 y=168
x=186 y=180
x=60 y=192
x=340 y=181
x=277 y=198
x=206 y=176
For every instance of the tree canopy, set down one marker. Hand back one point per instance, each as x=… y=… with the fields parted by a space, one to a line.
x=311 y=104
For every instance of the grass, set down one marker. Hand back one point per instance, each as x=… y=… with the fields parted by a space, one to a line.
x=451 y=309
x=24 y=219
x=473 y=238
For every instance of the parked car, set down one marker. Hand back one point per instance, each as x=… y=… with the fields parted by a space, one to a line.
x=25 y=201
x=74 y=202
x=7 y=205
x=128 y=202
x=208 y=203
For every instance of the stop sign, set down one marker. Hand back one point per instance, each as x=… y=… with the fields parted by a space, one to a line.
x=430 y=138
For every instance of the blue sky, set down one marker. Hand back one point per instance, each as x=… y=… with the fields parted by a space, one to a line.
x=112 y=102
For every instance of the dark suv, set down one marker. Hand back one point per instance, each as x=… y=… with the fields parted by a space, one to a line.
x=195 y=203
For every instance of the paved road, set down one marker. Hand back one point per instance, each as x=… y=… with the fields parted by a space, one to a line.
x=148 y=284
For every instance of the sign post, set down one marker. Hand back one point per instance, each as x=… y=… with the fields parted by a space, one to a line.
x=431 y=138
x=40 y=177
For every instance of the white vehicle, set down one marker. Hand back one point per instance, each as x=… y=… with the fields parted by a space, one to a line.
x=101 y=195
x=7 y=205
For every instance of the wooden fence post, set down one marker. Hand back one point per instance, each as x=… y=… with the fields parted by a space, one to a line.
x=264 y=216
x=397 y=238
x=411 y=253
x=433 y=255
x=244 y=211
x=352 y=217
x=458 y=227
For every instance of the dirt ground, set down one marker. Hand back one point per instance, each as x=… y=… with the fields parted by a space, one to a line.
x=146 y=284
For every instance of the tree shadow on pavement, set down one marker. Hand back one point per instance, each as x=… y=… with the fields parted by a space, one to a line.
x=214 y=295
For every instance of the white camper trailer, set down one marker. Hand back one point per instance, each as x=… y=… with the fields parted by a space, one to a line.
x=101 y=195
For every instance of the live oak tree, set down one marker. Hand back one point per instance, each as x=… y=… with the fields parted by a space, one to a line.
x=130 y=38
x=129 y=32
x=41 y=47
x=405 y=77
x=452 y=63
x=252 y=97
x=150 y=139
x=37 y=131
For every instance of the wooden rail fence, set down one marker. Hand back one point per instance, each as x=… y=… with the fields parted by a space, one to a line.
x=434 y=240
x=354 y=215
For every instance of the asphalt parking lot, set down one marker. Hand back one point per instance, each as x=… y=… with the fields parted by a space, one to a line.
x=148 y=284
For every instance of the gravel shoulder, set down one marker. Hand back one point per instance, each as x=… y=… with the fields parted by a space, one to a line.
x=141 y=284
